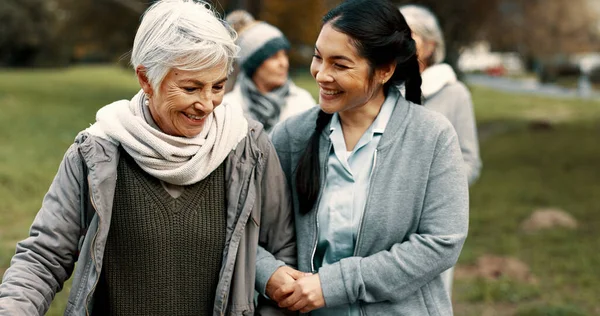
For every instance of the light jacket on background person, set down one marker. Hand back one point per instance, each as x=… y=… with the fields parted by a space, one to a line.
x=297 y=101
x=415 y=219
x=445 y=94
x=259 y=220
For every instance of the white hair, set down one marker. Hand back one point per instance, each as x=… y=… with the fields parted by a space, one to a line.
x=423 y=22
x=182 y=34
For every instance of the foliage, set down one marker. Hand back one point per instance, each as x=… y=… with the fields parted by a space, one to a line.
x=28 y=28
x=300 y=20
x=544 y=28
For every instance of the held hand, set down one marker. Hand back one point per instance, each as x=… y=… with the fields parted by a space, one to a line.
x=283 y=275
x=304 y=295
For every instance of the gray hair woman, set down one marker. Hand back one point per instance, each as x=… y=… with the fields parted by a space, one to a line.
x=263 y=86
x=442 y=91
x=170 y=203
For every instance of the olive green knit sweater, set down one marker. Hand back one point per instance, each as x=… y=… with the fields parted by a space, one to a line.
x=163 y=255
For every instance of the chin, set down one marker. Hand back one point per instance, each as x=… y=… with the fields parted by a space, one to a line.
x=328 y=108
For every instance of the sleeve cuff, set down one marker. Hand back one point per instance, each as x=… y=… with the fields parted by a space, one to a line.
x=332 y=285
x=266 y=264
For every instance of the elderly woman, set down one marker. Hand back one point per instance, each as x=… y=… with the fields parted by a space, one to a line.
x=380 y=196
x=263 y=86
x=443 y=92
x=170 y=203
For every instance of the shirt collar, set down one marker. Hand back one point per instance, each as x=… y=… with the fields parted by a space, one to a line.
x=378 y=126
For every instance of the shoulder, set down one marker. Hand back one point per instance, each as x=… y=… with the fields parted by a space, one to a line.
x=456 y=90
x=296 y=130
x=424 y=121
x=93 y=148
x=255 y=144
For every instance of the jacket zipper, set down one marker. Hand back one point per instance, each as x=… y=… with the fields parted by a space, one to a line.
x=87 y=299
x=323 y=181
x=225 y=295
x=362 y=217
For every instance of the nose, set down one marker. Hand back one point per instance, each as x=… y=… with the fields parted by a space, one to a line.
x=205 y=103
x=322 y=74
x=283 y=61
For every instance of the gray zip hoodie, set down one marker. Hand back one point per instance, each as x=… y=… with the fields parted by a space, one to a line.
x=260 y=232
x=415 y=219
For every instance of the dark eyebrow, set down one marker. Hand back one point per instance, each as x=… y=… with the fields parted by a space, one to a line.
x=342 y=57
x=200 y=83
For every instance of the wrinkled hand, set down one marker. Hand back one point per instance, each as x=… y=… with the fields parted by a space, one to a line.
x=304 y=294
x=283 y=275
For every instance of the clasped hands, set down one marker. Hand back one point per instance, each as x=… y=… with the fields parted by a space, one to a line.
x=295 y=290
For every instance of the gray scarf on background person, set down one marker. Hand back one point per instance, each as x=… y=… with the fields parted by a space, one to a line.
x=265 y=108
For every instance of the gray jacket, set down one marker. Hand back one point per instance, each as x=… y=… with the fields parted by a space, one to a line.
x=415 y=219
x=454 y=101
x=260 y=230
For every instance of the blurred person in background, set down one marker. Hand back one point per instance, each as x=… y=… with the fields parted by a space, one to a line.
x=263 y=86
x=442 y=91
x=380 y=195
x=239 y=20
x=189 y=210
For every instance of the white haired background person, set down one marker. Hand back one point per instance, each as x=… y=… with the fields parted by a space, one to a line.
x=239 y=21
x=171 y=203
x=442 y=91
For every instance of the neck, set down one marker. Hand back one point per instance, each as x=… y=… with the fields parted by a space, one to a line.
x=422 y=66
x=365 y=114
x=357 y=120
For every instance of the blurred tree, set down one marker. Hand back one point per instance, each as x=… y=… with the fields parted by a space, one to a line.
x=300 y=21
x=102 y=30
x=461 y=21
x=544 y=29
x=28 y=28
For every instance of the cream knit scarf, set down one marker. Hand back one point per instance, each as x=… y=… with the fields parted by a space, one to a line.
x=172 y=159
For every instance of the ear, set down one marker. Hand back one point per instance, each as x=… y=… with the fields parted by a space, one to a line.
x=140 y=72
x=385 y=73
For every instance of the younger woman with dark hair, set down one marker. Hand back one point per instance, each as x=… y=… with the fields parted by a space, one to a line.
x=380 y=195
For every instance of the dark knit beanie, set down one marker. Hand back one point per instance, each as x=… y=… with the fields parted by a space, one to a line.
x=259 y=42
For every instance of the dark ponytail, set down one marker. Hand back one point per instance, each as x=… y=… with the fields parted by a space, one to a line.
x=308 y=172
x=413 y=81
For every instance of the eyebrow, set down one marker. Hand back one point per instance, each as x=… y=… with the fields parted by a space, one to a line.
x=200 y=83
x=337 y=56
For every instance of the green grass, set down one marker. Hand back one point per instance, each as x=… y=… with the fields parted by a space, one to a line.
x=41 y=113
x=524 y=168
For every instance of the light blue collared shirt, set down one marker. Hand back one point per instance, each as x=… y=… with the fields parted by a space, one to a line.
x=345 y=193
